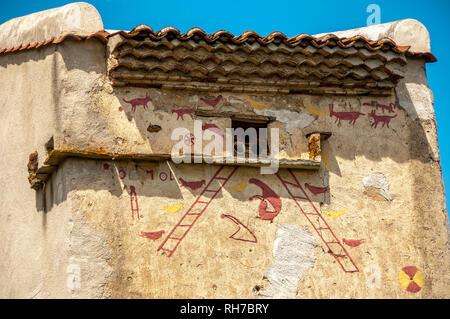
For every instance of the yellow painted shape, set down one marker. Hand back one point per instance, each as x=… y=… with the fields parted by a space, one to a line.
x=258 y=105
x=404 y=280
x=315 y=110
x=239 y=187
x=334 y=213
x=173 y=208
x=418 y=278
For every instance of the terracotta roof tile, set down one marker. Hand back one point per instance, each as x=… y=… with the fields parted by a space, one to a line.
x=145 y=57
x=223 y=36
x=276 y=37
x=100 y=35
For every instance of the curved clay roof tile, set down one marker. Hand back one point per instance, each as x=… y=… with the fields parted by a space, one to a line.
x=193 y=32
x=142 y=27
x=166 y=31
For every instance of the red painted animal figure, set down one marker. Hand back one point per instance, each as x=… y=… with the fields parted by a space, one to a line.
x=351 y=117
x=212 y=102
x=268 y=197
x=238 y=222
x=353 y=242
x=153 y=235
x=212 y=127
x=181 y=112
x=139 y=101
x=192 y=185
x=316 y=190
x=385 y=119
x=389 y=108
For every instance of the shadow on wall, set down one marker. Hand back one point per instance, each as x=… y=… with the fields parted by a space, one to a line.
x=143 y=179
x=165 y=182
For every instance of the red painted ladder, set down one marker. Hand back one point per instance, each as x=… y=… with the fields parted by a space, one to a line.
x=134 y=202
x=320 y=225
x=194 y=212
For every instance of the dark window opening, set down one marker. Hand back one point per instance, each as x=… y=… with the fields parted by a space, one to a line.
x=251 y=147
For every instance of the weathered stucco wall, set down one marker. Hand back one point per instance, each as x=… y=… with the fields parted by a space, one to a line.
x=392 y=217
x=37 y=233
x=94 y=230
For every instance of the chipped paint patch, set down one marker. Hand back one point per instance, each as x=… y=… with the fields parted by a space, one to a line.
x=293 y=120
x=379 y=182
x=292 y=256
x=258 y=105
x=316 y=111
x=193 y=99
x=235 y=101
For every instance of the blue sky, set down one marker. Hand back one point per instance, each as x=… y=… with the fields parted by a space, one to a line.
x=289 y=17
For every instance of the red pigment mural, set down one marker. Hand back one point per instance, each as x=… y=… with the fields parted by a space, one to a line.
x=106 y=166
x=212 y=127
x=122 y=173
x=316 y=190
x=389 y=108
x=268 y=197
x=351 y=117
x=385 y=119
x=242 y=237
x=139 y=101
x=315 y=218
x=185 y=224
x=181 y=112
x=191 y=185
x=162 y=175
x=411 y=279
x=152 y=235
x=134 y=202
x=212 y=102
x=353 y=242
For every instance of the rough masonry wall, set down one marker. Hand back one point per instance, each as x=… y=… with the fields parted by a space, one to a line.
x=373 y=189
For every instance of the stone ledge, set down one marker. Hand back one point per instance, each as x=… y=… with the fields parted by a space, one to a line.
x=56 y=157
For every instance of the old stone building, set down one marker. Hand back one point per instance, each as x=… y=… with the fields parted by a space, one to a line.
x=95 y=205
